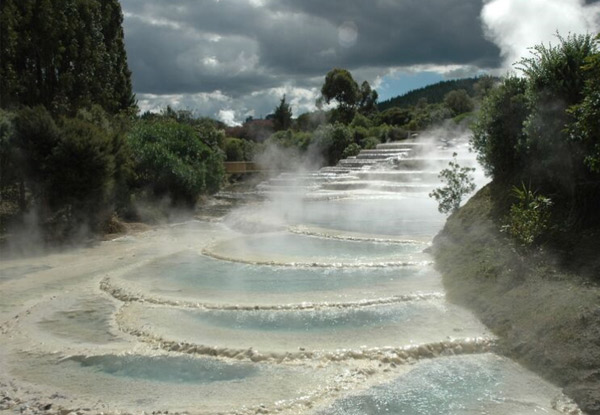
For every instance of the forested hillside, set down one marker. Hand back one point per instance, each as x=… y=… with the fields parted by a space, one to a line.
x=431 y=94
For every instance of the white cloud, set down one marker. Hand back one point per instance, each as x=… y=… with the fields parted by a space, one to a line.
x=230 y=110
x=516 y=25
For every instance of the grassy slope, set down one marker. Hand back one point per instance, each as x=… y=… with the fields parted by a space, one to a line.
x=546 y=315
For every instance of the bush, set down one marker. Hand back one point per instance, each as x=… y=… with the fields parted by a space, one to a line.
x=369 y=143
x=234 y=149
x=80 y=173
x=459 y=183
x=498 y=132
x=350 y=151
x=458 y=101
x=332 y=140
x=172 y=160
x=529 y=218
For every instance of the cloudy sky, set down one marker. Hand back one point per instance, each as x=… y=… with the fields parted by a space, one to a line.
x=230 y=59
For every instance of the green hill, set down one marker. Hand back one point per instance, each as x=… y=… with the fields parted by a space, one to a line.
x=432 y=93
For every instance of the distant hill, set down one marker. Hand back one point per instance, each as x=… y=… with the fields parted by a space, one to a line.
x=432 y=93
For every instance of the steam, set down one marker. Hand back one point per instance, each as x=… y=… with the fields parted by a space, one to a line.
x=516 y=25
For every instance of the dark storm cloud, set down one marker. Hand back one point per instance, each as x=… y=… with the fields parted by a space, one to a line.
x=409 y=32
x=241 y=46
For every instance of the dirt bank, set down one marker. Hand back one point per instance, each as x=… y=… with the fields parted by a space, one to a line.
x=546 y=313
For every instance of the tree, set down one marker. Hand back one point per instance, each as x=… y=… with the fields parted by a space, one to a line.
x=498 y=132
x=340 y=86
x=63 y=54
x=458 y=101
x=585 y=128
x=367 y=104
x=556 y=81
x=282 y=117
x=459 y=183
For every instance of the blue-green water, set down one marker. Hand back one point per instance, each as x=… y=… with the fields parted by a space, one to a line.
x=480 y=384
x=290 y=245
x=171 y=369
x=319 y=320
x=190 y=273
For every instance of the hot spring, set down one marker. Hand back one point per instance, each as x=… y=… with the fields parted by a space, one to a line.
x=316 y=296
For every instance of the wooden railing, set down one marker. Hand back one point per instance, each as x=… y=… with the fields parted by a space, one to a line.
x=243 y=167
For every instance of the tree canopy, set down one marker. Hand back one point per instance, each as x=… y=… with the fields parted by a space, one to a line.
x=64 y=55
x=543 y=129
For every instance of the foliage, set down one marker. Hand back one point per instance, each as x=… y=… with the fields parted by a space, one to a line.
x=498 y=132
x=64 y=54
x=291 y=139
x=459 y=183
x=395 y=116
x=432 y=94
x=352 y=150
x=65 y=172
x=282 y=118
x=529 y=218
x=585 y=127
x=556 y=81
x=237 y=149
x=458 y=101
x=362 y=121
x=80 y=172
x=369 y=143
x=310 y=121
x=543 y=128
x=172 y=160
x=332 y=140
x=341 y=87
x=367 y=102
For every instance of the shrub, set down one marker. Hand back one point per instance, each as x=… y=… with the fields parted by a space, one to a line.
x=459 y=183
x=172 y=160
x=369 y=143
x=529 y=218
x=332 y=140
x=350 y=151
x=498 y=132
x=80 y=173
x=234 y=149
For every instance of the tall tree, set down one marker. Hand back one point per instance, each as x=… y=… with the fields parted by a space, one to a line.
x=340 y=86
x=63 y=54
x=282 y=118
x=367 y=104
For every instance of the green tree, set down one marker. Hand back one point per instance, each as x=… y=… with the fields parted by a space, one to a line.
x=498 y=132
x=282 y=119
x=63 y=54
x=80 y=173
x=458 y=101
x=585 y=128
x=556 y=81
x=367 y=103
x=341 y=87
x=459 y=183
x=332 y=140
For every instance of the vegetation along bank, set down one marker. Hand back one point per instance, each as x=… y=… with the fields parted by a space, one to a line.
x=523 y=252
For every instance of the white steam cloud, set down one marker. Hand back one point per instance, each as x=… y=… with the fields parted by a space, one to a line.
x=228 y=117
x=516 y=25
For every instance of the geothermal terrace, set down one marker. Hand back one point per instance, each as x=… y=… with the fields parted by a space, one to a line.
x=316 y=295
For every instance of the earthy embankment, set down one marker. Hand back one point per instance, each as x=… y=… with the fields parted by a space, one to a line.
x=546 y=313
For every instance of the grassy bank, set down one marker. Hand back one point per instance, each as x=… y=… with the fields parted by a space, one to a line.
x=543 y=303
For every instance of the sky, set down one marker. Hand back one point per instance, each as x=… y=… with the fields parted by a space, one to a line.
x=231 y=59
